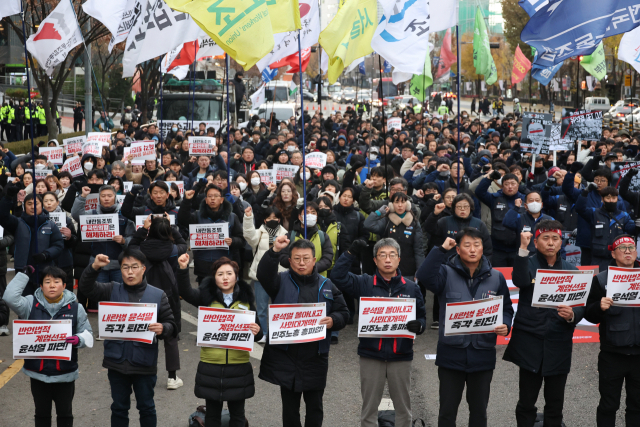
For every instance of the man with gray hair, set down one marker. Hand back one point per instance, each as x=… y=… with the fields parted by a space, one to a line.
x=382 y=359
x=118 y=170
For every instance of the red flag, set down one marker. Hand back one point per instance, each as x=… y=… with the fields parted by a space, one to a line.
x=292 y=61
x=446 y=56
x=186 y=56
x=521 y=66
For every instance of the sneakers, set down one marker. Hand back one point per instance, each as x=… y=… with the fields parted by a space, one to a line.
x=263 y=340
x=334 y=339
x=174 y=384
x=191 y=264
x=4 y=331
x=435 y=325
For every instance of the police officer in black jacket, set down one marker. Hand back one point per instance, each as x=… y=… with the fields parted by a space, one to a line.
x=619 y=359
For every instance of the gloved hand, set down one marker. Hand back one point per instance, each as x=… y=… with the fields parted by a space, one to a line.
x=575 y=167
x=483 y=161
x=136 y=188
x=531 y=176
x=551 y=182
x=27 y=269
x=300 y=203
x=383 y=210
x=574 y=233
x=495 y=175
x=469 y=150
x=12 y=191
x=633 y=172
x=40 y=258
x=358 y=246
x=74 y=340
x=592 y=186
x=414 y=326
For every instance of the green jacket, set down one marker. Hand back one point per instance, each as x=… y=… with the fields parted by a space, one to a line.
x=442 y=110
x=417 y=109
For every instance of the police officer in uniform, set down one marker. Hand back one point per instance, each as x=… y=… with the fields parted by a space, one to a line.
x=442 y=110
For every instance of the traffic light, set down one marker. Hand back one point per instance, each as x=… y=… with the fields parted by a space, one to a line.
x=580 y=58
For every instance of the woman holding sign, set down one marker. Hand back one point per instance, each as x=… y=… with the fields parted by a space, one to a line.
x=224 y=375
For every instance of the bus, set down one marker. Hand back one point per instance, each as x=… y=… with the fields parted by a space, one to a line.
x=388 y=90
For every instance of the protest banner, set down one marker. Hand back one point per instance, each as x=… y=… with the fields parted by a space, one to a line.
x=202 y=146
x=126 y=321
x=266 y=176
x=143 y=150
x=473 y=317
x=179 y=184
x=96 y=228
x=225 y=328
x=208 y=236
x=54 y=154
x=581 y=125
x=285 y=171
x=316 y=160
x=394 y=123
x=92 y=148
x=60 y=218
x=533 y=133
x=41 y=339
x=125 y=153
x=620 y=170
x=40 y=173
x=623 y=285
x=73 y=166
x=185 y=125
x=296 y=323
x=573 y=252
x=91 y=202
x=140 y=219
x=102 y=138
x=127 y=186
x=561 y=287
x=74 y=145
x=554 y=140
x=386 y=317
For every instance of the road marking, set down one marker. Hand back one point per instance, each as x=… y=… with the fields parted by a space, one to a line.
x=386 y=405
x=10 y=372
x=189 y=318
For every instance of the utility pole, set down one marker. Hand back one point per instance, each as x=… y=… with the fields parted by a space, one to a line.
x=88 y=95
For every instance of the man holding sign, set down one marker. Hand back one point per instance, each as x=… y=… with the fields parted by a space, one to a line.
x=617 y=315
x=465 y=359
x=299 y=368
x=383 y=357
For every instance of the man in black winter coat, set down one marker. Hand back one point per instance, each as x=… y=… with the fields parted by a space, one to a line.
x=300 y=368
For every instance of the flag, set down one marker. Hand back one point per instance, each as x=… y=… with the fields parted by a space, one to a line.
x=446 y=56
x=10 y=7
x=482 y=59
x=629 y=48
x=179 y=72
x=125 y=21
x=561 y=29
x=284 y=15
x=386 y=67
x=293 y=89
x=242 y=28
x=400 y=77
x=354 y=64
x=402 y=36
x=57 y=35
x=208 y=47
x=444 y=14
x=348 y=35
x=306 y=56
x=285 y=44
x=362 y=70
x=324 y=61
x=268 y=74
x=258 y=97
x=182 y=55
x=590 y=83
x=108 y=12
x=521 y=66
x=544 y=75
x=420 y=82
x=595 y=63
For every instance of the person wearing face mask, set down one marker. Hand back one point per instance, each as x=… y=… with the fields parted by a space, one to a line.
x=311 y=181
x=523 y=219
x=372 y=161
x=606 y=223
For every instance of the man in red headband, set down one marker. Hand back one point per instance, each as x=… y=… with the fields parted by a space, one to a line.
x=619 y=358
x=541 y=339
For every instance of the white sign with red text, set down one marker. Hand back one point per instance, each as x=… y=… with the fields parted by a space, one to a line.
x=561 y=287
x=127 y=186
x=386 y=317
x=266 y=176
x=102 y=138
x=208 y=236
x=225 y=328
x=143 y=150
x=41 y=339
x=394 y=123
x=473 y=317
x=91 y=202
x=180 y=185
x=296 y=323
x=92 y=148
x=60 y=218
x=623 y=286
x=285 y=171
x=126 y=321
x=73 y=166
x=54 y=154
x=125 y=153
x=74 y=145
x=316 y=160
x=96 y=228
x=202 y=146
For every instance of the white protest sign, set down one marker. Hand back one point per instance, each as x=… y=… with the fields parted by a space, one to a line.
x=60 y=218
x=125 y=153
x=315 y=160
x=126 y=321
x=473 y=317
x=394 y=123
x=184 y=125
x=296 y=323
x=202 y=146
x=92 y=148
x=266 y=176
x=91 y=202
x=285 y=171
x=208 y=236
x=95 y=228
x=54 y=154
x=74 y=145
x=41 y=339
x=73 y=166
x=225 y=328
x=561 y=287
x=143 y=150
x=42 y=173
x=623 y=285
x=119 y=200
x=140 y=219
x=103 y=138
x=127 y=186
x=180 y=185
x=386 y=317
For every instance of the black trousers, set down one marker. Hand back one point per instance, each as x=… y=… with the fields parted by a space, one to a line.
x=77 y=125
x=44 y=394
x=368 y=265
x=614 y=370
x=436 y=308
x=530 y=384
x=503 y=259
x=452 y=384
x=214 y=412
x=291 y=408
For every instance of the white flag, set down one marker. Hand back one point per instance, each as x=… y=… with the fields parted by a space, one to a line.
x=157 y=31
x=110 y=13
x=208 y=47
x=9 y=7
x=402 y=35
x=483 y=86
x=590 y=80
x=285 y=44
x=501 y=83
x=629 y=48
x=324 y=61
x=353 y=65
x=400 y=77
x=257 y=99
x=57 y=35
x=444 y=14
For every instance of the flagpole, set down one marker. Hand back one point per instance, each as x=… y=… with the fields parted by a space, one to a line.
x=193 y=105
x=458 y=90
x=226 y=64
x=304 y=166
x=384 y=136
x=161 y=102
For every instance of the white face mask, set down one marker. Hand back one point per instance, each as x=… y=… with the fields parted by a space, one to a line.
x=534 y=207
x=255 y=181
x=243 y=186
x=311 y=220
x=291 y=148
x=373 y=156
x=302 y=176
x=499 y=182
x=40 y=166
x=88 y=166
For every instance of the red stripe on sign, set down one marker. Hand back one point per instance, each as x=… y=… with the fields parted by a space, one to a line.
x=461 y=303
x=125 y=304
x=230 y=347
x=292 y=305
x=224 y=310
x=302 y=341
x=129 y=339
x=378 y=299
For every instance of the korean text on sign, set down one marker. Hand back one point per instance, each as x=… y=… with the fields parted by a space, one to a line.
x=315 y=160
x=266 y=176
x=73 y=166
x=394 y=123
x=285 y=171
x=74 y=145
x=143 y=150
x=60 y=218
x=225 y=328
x=561 y=287
x=91 y=202
x=623 y=286
x=41 y=339
x=386 y=317
x=202 y=146
x=126 y=321
x=296 y=323
x=94 y=228
x=208 y=236
x=54 y=154
x=473 y=317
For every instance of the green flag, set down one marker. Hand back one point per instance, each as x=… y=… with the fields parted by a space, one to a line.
x=482 y=59
x=420 y=83
x=595 y=63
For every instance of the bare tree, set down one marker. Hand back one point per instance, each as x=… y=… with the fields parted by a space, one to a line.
x=148 y=75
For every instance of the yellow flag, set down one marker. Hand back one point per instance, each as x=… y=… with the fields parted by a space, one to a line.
x=348 y=35
x=285 y=15
x=242 y=28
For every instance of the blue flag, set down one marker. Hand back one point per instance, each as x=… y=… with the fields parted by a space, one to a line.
x=543 y=74
x=361 y=69
x=560 y=29
x=268 y=74
x=387 y=66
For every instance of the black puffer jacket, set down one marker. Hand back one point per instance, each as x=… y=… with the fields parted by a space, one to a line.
x=4 y=313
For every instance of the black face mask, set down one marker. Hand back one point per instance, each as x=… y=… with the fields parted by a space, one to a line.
x=539 y=170
x=272 y=223
x=94 y=187
x=324 y=212
x=610 y=206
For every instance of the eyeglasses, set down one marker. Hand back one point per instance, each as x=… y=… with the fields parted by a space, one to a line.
x=299 y=261
x=463 y=207
x=392 y=255
x=625 y=249
x=600 y=181
x=134 y=268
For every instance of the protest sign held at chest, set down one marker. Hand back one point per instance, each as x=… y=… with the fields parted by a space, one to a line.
x=561 y=287
x=473 y=317
x=225 y=328
x=99 y=227
x=41 y=339
x=209 y=236
x=126 y=321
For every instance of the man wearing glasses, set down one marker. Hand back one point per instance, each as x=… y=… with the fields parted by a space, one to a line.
x=130 y=365
x=382 y=360
x=619 y=341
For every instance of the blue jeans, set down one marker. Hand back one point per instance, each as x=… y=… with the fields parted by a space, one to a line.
x=121 y=394
x=109 y=276
x=262 y=306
